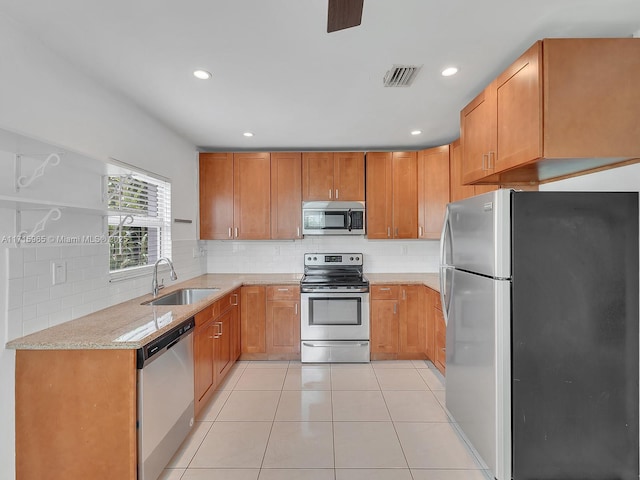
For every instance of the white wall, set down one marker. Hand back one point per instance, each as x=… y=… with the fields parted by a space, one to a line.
x=45 y=97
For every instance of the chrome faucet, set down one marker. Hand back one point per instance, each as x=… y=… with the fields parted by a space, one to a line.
x=154 y=283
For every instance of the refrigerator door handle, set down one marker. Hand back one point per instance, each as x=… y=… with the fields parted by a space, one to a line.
x=444 y=238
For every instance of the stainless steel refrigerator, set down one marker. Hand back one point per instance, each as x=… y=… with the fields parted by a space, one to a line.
x=540 y=296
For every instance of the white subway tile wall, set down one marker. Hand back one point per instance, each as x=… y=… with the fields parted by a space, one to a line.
x=34 y=303
x=410 y=256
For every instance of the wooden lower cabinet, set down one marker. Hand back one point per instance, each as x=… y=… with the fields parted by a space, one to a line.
x=204 y=372
x=283 y=321
x=76 y=414
x=253 y=321
x=397 y=322
x=436 y=330
x=271 y=322
x=216 y=346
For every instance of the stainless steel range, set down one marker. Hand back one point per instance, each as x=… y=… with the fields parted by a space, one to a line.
x=334 y=309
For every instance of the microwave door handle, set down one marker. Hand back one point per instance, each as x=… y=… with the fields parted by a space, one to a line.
x=349 y=219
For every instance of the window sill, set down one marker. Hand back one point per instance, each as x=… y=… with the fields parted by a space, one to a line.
x=135 y=272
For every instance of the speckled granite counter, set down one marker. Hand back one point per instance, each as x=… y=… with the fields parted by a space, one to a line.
x=431 y=280
x=116 y=327
x=130 y=325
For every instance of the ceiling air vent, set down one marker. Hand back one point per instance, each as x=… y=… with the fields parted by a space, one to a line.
x=401 y=75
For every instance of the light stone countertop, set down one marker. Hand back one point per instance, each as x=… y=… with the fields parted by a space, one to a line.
x=130 y=325
x=431 y=280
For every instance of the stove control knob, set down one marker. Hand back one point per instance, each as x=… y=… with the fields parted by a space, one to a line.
x=315 y=258
x=308 y=258
x=357 y=258
x=351 y=258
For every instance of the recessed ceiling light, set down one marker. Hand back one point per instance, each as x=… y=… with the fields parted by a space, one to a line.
x=248 y=134
x=202 y=74
x=416 y=132
x=447 y=72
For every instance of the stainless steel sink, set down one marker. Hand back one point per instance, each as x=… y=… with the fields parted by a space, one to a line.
x=184 y=296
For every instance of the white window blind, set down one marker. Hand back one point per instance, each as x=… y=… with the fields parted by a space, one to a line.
x=139 y=218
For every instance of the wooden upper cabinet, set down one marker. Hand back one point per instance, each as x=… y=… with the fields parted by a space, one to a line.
x=333 y=176
x=286 y=195
x=379 y=195
x=317 y=176
x=565 y=107
x=252 y=196
x=433 y=190
x=519 y=111
x=458 y=190
x=478 y=136
x=392 y=195
x=216 y=196
x=348 y=181
x=235 y=196
x=405 y=194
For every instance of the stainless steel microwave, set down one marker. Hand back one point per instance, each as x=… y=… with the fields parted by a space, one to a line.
x=333 y=218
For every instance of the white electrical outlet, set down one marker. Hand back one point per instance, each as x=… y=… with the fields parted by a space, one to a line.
x=405 y=250
x=58 y=272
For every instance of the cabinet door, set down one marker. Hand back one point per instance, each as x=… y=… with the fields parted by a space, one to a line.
x=379 y=195
x=519 y=110
x=405 y=194
x=317 y=176
x=286 y=195
x=252 y=196
x=433 y=190
x=283 y=327
x=384 y=326
x=458 y=190
x=216 y=196
x=235 y=325
x=441 y=340
x=222 y=345
x=478 y=135
x=252 y=317
x=348 y=181
x=412 y=325
x=203 y=360
x=430 y=297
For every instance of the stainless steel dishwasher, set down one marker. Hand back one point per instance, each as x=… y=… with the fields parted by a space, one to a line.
x=165 y=398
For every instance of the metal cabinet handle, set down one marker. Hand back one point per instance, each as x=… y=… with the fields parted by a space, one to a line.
x=229 y=232
x=298 y=231
x=283 y=289
x=388 y=232
x=485 y=161
x=235 y=302
x=236 y=230
x=385 y=289
x=330 y=194
x=492 y=164
x=337 y=196
x=395 y=308
x=419 y=231
x=396 y=232
x=404 y=294
x=296 y=309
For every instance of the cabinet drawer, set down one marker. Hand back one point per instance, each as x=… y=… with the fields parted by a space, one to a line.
x=209 y=313
x=385 y=292
x=226 y=302
x=283 y=292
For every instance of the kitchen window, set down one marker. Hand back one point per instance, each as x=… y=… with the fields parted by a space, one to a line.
x=139 y=222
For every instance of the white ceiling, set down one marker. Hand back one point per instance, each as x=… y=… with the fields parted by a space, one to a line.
x=277 y=73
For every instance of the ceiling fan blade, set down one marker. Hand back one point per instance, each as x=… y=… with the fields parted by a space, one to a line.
x=344 y=14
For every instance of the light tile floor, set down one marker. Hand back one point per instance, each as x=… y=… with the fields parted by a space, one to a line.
x=289 y=421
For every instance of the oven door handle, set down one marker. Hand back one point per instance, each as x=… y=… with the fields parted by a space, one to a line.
x=338 y=344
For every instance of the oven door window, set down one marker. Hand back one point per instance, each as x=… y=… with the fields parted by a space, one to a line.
x=335 y=311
